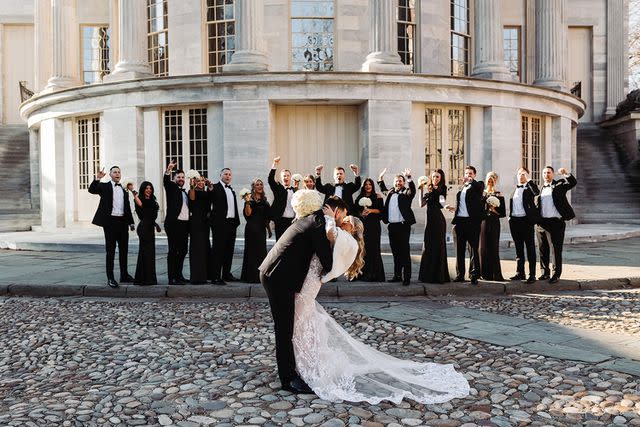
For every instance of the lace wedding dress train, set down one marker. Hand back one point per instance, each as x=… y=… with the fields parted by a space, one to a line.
x=339 y=367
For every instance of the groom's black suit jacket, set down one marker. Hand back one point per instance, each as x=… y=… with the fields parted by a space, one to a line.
x=287 y=263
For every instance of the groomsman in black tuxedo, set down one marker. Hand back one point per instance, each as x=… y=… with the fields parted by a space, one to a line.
x=399 y=215
x=113 y=215
x=176 y=223
x=466 y=222
x=523 y=215
x=281 y=209
x=554 y=210
x=340 y=188
x=224 y=222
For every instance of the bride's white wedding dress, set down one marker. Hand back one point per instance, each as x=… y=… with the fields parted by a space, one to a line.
x=338 y=367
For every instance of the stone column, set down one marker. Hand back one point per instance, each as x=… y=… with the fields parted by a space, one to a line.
x=617 y=58
x=249 y=56
x=550 y=44
x=383 y=39
x=489 y=41
x=132 y=42
x=63 y=28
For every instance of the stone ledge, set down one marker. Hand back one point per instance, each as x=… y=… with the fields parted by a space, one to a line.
x=603 y=284
x=104 y=291
x=464 y=289
x=516 y=287
x=208 y=291
x=46 y=290
x=4 y=289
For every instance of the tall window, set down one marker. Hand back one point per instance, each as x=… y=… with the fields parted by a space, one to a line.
x=460 y=37
x=445 y=137
x=190 y=152
x=312 y=23
x=511 y=36
x=95 y=53
x=158 y=37
x=407 y=31
x=88 y=130
x=221 y=33
x=531 y=146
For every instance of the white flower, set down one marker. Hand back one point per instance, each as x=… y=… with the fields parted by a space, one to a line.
x=423 y=180
x=126 y=181
x=493 y=201
x=192 y=173
x=296 y=177
x=365 y=202
x=306 y=202
x=244 y=192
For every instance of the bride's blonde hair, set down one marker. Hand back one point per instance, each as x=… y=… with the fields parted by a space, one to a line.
x=358 y=233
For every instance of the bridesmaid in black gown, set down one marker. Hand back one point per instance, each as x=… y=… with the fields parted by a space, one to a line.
x=199 y=243
x=147 y=211
x=257 y=212
x=490 y=230
x=434 y=267
x=373 y=270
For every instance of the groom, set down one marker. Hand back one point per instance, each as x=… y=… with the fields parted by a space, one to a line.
x=282 y=274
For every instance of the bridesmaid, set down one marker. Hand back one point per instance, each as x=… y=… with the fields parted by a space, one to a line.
x=257 y=212
x=309 y=182
x=147 y=211
x=433 y=265
x=373 y=270
x=495 y=208
x=199 y=243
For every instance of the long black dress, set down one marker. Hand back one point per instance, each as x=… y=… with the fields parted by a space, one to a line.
x=433 y=264
x=199 y=243
x=255 y=240
x=373 y=270
x=490 y=239
x=146 y=265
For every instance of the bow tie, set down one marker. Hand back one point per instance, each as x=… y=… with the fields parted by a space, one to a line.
x=290 y=188
x=118 y=185
x=520 y=186
x=228 y=186
x=546 y=185
x=340 y=185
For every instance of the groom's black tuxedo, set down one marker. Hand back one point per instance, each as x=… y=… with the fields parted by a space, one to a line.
x=282 y=274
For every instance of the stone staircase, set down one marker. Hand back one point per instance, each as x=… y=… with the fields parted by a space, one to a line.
x=608 y=190
x=17 y=210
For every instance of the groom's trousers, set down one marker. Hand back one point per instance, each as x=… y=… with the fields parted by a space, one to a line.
x=282 y=310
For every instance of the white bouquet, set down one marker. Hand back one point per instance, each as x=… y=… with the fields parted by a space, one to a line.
x=192 y=173
x=244 y=192
x=126 y=181
x=306 y=202
x=423 y=180
x=365 y=202
x=296 y=177
x=493 y=201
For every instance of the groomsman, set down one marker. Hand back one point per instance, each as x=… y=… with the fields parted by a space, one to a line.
x=523 y=215
x=281 y=209
x=224 y=223
x=113 y=215
x=466 y=222
x=340 y=188
x=399 y=215
x=554 y=210
x=176 y=223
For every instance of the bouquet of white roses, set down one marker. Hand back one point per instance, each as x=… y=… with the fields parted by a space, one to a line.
x=296 y=177
x=365 y=202
x=493 y=201
x=192 y=173
x=243 y=193
x=126 y=182
x=423 y=180
x=306 y=202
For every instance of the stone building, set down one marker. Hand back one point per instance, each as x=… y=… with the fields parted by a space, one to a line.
x=382 y=83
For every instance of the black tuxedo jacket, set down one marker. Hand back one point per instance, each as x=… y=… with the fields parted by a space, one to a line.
x=174 y=199
x=348 y=188
x=405 y=197
x=279 y=195
x=103 y=213
x=473 y=200
x=529 y=194
x=219 y=199
x=559 y=191
x=287 y=263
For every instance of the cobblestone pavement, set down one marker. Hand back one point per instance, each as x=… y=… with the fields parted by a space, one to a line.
x=135 y=362
x=615 y=312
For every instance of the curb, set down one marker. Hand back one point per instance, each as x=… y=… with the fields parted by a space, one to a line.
x=329 y=290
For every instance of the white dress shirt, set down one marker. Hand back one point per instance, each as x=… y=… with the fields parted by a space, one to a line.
x=394 y=210
x=517 y=203
x=231 y=212
x=118 y=200
x=338 y=191
x=548 y=207
x=462 y=204
x=288 y=209
x=184 y=211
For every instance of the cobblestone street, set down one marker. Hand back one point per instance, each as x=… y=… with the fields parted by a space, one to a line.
x=189 y=363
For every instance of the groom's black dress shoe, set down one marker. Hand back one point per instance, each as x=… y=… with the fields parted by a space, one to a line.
x=297 y=386
x=112 y=283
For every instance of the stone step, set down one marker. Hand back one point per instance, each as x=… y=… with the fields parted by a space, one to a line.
x=19 y=221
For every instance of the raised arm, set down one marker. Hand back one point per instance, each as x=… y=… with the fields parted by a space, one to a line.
x=94 y=187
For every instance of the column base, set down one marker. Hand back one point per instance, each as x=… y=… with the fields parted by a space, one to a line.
x=551 y=84
x=247 y=61
x=492 y=72
x=59 y=83
x=129 y=71
x=384 y=62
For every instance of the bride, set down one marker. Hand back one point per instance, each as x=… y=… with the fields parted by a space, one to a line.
x=337 y=366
